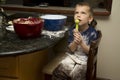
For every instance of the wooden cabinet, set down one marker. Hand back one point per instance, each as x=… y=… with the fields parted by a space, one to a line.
x=24 y=67
x=7 y=78
x=9 y=66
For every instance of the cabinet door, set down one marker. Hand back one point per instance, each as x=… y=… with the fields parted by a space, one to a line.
x=9 y=66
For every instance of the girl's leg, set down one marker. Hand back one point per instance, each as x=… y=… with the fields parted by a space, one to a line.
x=62 y=72
x=79 y=72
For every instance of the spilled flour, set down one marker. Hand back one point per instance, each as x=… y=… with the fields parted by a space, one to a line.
x=54 y=33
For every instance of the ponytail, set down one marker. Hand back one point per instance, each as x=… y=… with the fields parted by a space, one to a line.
x=93 y=23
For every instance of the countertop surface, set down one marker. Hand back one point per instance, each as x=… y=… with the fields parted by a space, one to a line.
x=11 y=44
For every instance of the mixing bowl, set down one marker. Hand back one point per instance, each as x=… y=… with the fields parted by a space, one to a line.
x=54 y=22
x=28 y=27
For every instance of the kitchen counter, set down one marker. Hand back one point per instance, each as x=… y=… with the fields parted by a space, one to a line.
x=25 y=59
x=13 y=45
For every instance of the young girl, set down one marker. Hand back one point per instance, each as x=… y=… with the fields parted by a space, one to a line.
x=73 y=66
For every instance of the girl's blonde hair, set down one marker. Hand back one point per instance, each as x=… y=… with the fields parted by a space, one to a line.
x=86 y=4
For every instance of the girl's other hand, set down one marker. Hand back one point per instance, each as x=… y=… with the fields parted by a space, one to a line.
x=77 y=36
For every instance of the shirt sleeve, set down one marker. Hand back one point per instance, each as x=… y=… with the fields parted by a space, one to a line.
x=70 y=34
x=93 y=35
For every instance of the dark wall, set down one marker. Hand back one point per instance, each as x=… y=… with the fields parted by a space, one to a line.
x=55 y=2
x=14 y=2
x=50 y=2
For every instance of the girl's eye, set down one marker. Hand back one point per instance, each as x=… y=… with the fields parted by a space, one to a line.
x=83 y=12
x=76 y=12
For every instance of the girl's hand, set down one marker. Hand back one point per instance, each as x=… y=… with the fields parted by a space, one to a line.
x=77 y=37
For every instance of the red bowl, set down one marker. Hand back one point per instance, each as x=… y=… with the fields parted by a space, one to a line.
x=28 y=27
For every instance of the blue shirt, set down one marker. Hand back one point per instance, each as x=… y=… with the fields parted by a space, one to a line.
x=88 y=35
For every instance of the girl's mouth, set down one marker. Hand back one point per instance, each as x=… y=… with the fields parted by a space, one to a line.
x=79 y=20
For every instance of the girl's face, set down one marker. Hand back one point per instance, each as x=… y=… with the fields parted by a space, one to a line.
x=82 y=13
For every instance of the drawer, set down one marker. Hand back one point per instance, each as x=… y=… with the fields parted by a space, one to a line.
x=9 y=66
x=4 y=78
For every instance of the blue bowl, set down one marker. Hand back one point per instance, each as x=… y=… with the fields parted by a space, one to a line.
x=54 y=22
